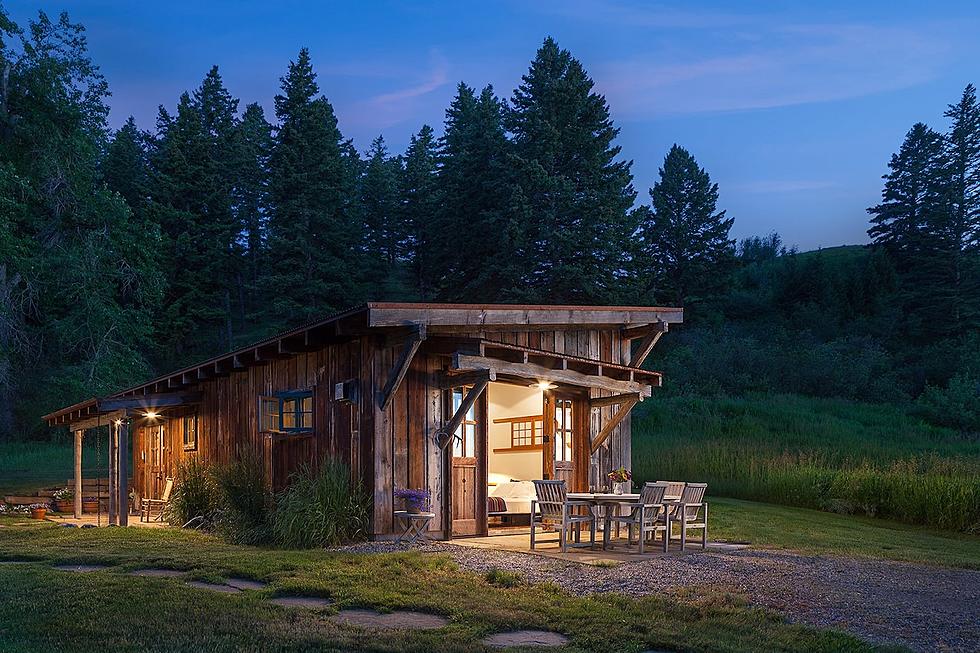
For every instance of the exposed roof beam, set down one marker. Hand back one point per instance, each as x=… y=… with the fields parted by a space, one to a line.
x=532 y=371
x=150 y=401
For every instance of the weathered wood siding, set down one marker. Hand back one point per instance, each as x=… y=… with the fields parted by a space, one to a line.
x=386 y=449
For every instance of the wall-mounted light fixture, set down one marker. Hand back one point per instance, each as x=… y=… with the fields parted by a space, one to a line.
x=151 y=414
x=544 y=385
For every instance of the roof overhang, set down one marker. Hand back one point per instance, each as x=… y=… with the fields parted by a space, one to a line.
x=390 y=318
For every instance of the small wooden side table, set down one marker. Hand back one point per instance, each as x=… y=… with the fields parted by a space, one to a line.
x=415 y=525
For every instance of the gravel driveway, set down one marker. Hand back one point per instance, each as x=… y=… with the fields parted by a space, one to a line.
x=924 y=608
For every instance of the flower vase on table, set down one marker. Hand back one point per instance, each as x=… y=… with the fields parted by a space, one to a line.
x=620 y=479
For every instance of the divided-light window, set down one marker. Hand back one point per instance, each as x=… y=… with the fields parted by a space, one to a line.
x=289 y=412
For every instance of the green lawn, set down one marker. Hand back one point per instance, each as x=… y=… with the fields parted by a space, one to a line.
x=45 y=609
x=28 y=466
x=813 y=531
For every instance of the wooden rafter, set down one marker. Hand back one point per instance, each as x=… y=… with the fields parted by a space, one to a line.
x=445 y=434
x=615 y=400
x=607 y=429
x=447 y=381
x=398 y=372
x=649 y=341
x=534 y=372
x=150 y=401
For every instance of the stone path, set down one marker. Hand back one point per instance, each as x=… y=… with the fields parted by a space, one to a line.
x=311 y=602
x=246 y=584
x=403 y=619
x=526 y=638
x=214 y=587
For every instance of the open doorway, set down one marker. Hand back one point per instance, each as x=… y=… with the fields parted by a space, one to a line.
x=517 y=433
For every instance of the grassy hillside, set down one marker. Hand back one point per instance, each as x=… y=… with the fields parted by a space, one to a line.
x=27 y=466
x=829 y=454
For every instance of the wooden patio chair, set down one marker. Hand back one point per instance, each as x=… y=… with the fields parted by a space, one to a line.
x=553 y=508
x=159 y=505
x=649 y=516
x=674 y=490
x=692 y=512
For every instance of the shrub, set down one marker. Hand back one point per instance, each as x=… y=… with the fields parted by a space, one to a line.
x=502 y=578
x=244 y=505
x=321 y=507
x=193 y=494
x=957 y=405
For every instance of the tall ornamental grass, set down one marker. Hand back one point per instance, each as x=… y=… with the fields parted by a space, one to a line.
x=831 y=455
x=321 y=507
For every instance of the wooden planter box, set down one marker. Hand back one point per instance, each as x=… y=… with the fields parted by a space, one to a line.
x=65 y=506
x=90 y=506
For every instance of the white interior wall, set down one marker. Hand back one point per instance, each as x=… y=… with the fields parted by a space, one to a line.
x=505 y=400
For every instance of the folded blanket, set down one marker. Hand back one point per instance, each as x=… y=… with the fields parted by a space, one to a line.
x=496 y=504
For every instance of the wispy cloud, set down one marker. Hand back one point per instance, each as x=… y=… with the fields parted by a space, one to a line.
x=391 y=107
x=692 y=60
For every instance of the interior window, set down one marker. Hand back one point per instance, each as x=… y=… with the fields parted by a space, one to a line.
x=464 y=442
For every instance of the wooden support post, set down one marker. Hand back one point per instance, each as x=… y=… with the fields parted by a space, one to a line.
x=464 y=407
x=648 y=343
x=78 y=473
x=412 y=344
x=122 y=470
x=624 y=409
x=113 y=478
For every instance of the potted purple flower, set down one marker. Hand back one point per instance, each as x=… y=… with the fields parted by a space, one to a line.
x=64 y=499
x=620 y=479
x=416 y=499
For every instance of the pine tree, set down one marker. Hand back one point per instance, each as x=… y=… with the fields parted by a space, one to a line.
x=313 y=255
x=254 y=144
x=475 y=243
x=125 y=167
x=578 y=195
x=685 y=254
x=384 y=235
x=418 y=206
x=914 y=191
x=959 y=232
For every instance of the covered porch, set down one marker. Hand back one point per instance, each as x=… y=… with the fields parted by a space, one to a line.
x=115 y=420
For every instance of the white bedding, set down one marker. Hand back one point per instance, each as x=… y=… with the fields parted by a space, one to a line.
x=517 y=495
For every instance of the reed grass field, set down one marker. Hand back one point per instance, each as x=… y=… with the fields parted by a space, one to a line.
x=830 y=454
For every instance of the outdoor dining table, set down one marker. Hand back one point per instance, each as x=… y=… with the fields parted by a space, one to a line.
x=607 y=500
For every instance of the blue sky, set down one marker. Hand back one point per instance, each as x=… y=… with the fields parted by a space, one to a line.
x=793 y=108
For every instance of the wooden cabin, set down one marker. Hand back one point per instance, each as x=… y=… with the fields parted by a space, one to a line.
x=459 y=399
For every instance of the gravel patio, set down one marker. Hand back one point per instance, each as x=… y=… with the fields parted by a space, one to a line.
x=924 y=608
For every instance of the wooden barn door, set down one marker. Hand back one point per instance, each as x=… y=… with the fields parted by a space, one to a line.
x=468 y=478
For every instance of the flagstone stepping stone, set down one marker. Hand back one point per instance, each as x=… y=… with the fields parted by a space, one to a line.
x=81 y=568
x=214 y=587
x=158 y=573
x=311 y=602
x=246 y=584
x=526 y=638
x=405 y=620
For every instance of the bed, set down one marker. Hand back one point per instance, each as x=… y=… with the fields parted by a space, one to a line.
x=516 y=495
